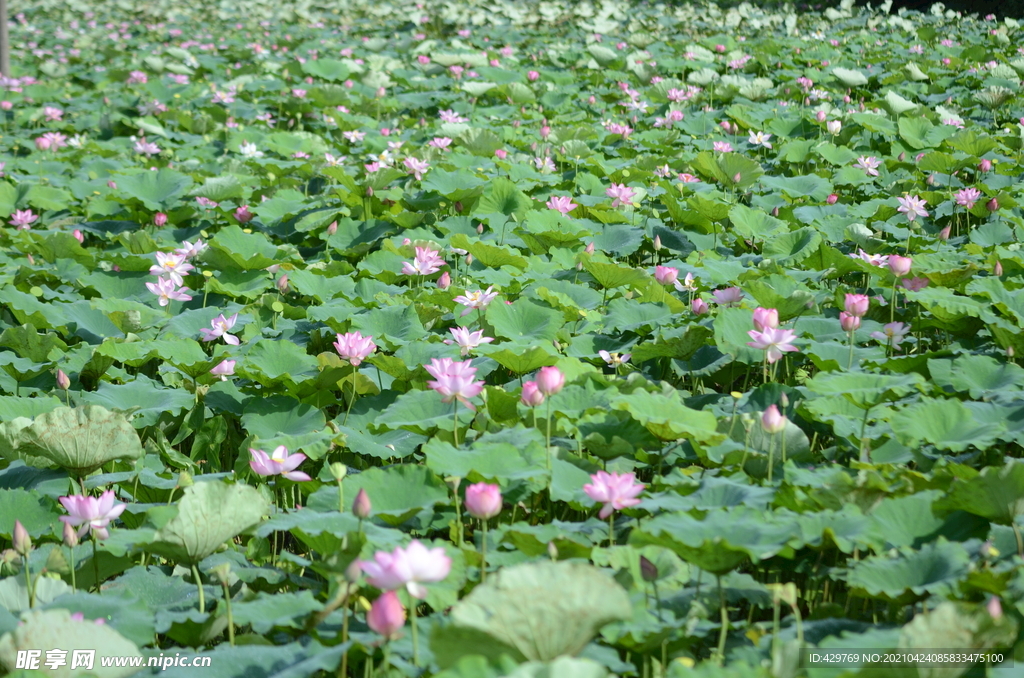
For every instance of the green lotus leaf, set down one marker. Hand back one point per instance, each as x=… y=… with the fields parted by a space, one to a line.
x=947 y=424
x=534 y=611
x=934 y=569
x=157 y=190
x=209 y=513
x=996 y=494
x=849 y=78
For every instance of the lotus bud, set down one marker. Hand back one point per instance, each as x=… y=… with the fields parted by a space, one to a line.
x=931 y=179
x=386 y=616
x=480 y=229
x=849 y=322
x=369 y=191
x=765 y=318
x=775 y=210
x=185 y=479
x=483 y=500
x=657 y=243
x=531 y=396
x=22 y=542
x=994 y=607
x=353 y=572
x=846 y=99
x=589 y=249
x=469 y=259
x=902 y=156
x=550 y=380
x=445 y=281
x=666 y=275
x=997 y=270
x=592 y=100
x=1010 y=352
x=736 y=178
x=721 y=49
x=282 y=284
x=223 y=573
x=832 y=199
x=834 y=126
x=773 y=421
x=159 y=219
x=917 y=158
x=361 y=505
x=458 y=206
x=992 y=205
x=900 y=266
x=699 y=306
x=78 y=236
x=820 y=116
x=63 y=382
x=648 y=570
x=532 y=76
x=70 y=536
x=333 y=228
x=338 y=470
x=552 y=551
x=985 y=165
x=944 y=233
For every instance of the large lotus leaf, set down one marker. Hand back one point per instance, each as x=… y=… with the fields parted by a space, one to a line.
x=945 y=423
x=935 y=569
x=293 y=660
x=666 y=417
x=79 y=440
x=34 y=512
x=563 y=667
x=209 y=513
x=865 y=389
x=610 y=276
x=721 y=541
x=397 y=492
x=678 y=344
x=540 y=611
x=806 y=185
x=14 y=594
x=157 y=190
x=997 y=494
x=520 y=359
x=247 y=251
x=524 y=321
x=792 y=247
x=849 y=78
x=54 y=629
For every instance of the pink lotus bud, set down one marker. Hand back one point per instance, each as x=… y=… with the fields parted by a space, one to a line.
x=930 y=180
x=531 y=396
x=848 y=322
x=997 y=270
x=832 y=199
x=545 y=132
x=902 y=156
x=857 y=304
x=821 y=116
x=992 y=205
x=386 y=615
x=243 y=215
x=468 y=259
x=445 y=281
x=480 y=229
x=589 y=249
x=994 y=607
x=111 y=184
x=369 y=191
x=657 y=243
x=944 y=233
x=736 y=178
x=846 y=99
x=985 y=166
x=43 y=144
x=483 y=500
x=834 y=126
x=6 y=105
x=501 y=153
x=381 y=91
x=22 y=542
x=773 y=421
x=333 y=228
x=699 y=306
x=159 y=219
x=361 y=505
x=720 y=49
x=63 y=381
x=70 y=536
x=900 y=266
x=550 y=380
x=765 y=318
x=282 y=284
x=917 y=158
x=666 y=275
x=78 y=235
x=532 y=76
x=592 y=100
x=775 y=210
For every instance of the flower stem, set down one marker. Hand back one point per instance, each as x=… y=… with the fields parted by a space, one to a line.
x=723 y=634
x=771 y=457
x=352 y=399
x=611 y=529
x=95 y=564
x=73 y=583
x=483 y=552
x=547 y=447
x=199 y=585
x=415 y=633
x=231 y=619
x=849 y=365
x=28 y=583
x=455 y=423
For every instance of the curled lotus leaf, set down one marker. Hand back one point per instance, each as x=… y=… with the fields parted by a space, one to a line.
x=79 y=439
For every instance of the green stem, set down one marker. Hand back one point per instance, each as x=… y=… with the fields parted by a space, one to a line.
x=548 y=446
x=343 y=669
x=73 y=582
x=892 y=302
x=95 y=564
x=28 y=583
x=771 y=457
x=849 y=365
x=231 y=619
x=199 y=585
x=723 y=634
x=455 y=422
x=350 y=400
x=483 y=553
x=415 y=633
x=611 y=529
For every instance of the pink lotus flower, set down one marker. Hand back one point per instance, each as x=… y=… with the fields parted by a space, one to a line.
x=900 y=266
x=386 y=615
x=440 y=142
x=550 y=380
x=91 y=513
x=773 y=421
x=914 y=284
x=221 y=326
x=416 y=167
x=912 y=206
x=354 y=347
x=531 y=395
x=52 y=113
x=278 y=463
x=167 y=291
x=832 y=199
x=501 y=153
x=22 y=219
x=722 y=147
x=532 y=76
x=766 y=318
x=426 y=262
x=666 y=275
x=892 y=332
x=849 y=322
x=410 y=567
x=467 y=340
x=188 y=250
x=615 y=490
x=620 y=194
x=243 y=215
x=445 y=281
x=614 y=359
x=728 y=296
x=224 y=369
x=137 y=78
x=171 y=265
x=986 y=165
x=967 y=197
x=774 y=342
x=563 y=204
x=483 y=500
x=869 y=164
x=146 y=148
x=159 y=219
x=476 y=299
x=856 y=304
x=699 y=306
x=451 y=116
x=353 y=136
x=454 y=380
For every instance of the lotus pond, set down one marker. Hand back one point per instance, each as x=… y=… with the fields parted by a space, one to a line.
x=498 y=338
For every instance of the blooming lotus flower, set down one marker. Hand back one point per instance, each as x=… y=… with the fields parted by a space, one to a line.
x=147 y=148
x=354 y=347
x=914 y=284
x=699 y=306
x=243 y=215
x=188 y=250
x=451 y=116
x=765 y=318
x=483 y=500
x=476 y=299
x=386 y=615
x=760 y=139
x=440 y=142
x=22 y=219
x=167 y=291
x=410 y=567
x=614 y=359
x=615 y=490
x=869 y=164
x=550 y=380
x=221 y=326
x=354 y=136
x=856 y=304
x=91 y=513
x=531 y=395
x=773 y=421
x=563 y=204
x=224 y=369
x=279 y=462
x=873 y=259
x=722 y=147
x=967 y=197
x=416 y=167
x=728 y=296
x=774 y=342
x=426 y=262
x=892 y=332
x=666 y=275
x=454 y=380
x=467 y=340
x=620 y=194
x=912 y=206
x=172 y=265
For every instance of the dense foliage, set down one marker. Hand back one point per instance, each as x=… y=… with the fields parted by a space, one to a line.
x=510 y=338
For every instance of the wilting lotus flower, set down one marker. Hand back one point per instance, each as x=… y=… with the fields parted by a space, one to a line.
x=615 y=490
x=91 y=513
x=279 y=462
x=410 y=567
